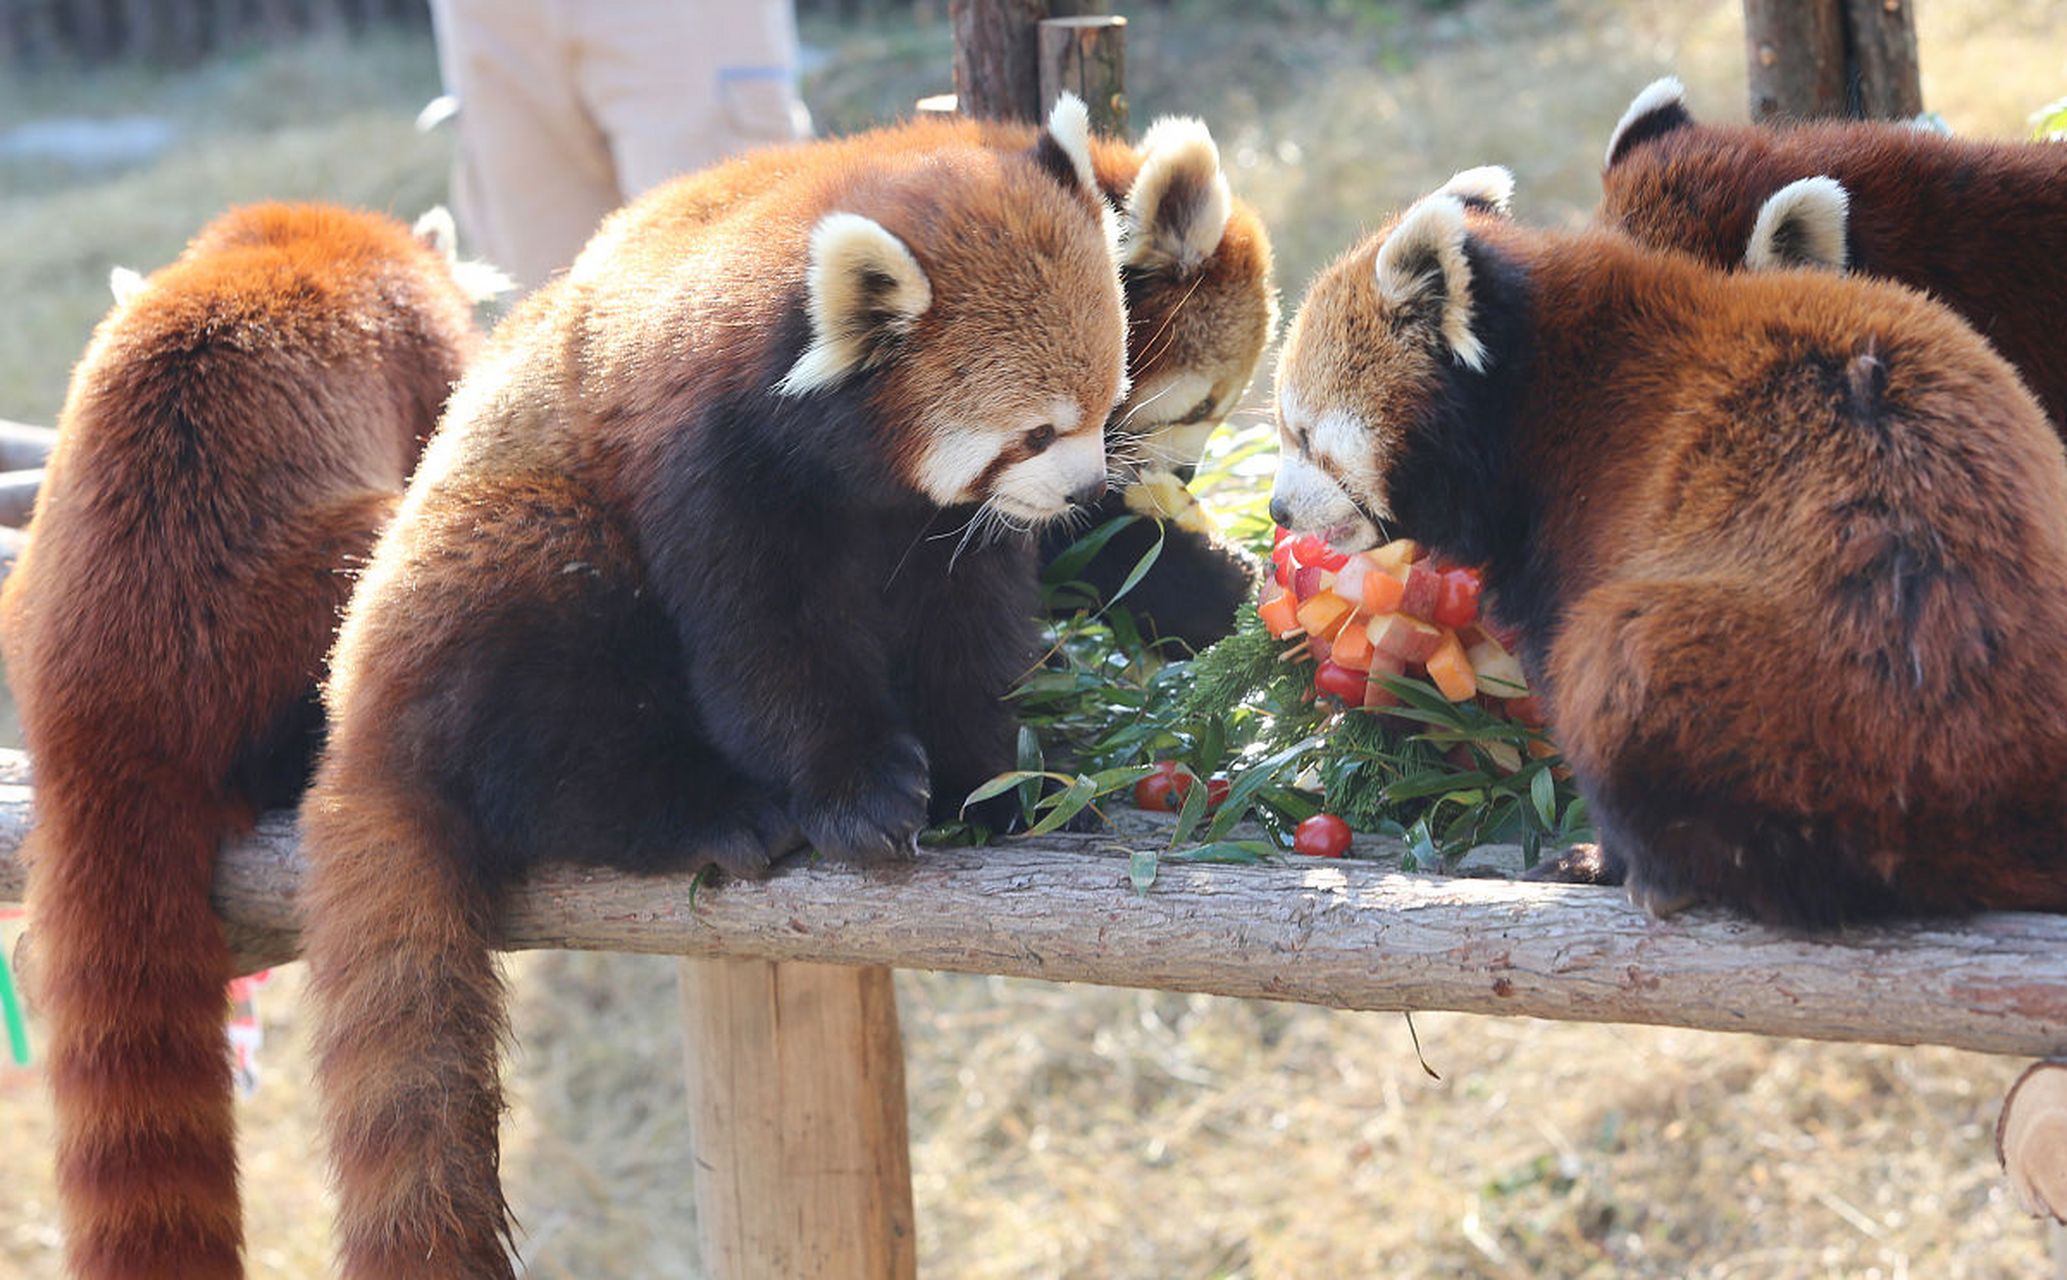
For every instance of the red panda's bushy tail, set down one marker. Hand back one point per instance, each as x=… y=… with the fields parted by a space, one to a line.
x=410 y=1023
x=130 y=968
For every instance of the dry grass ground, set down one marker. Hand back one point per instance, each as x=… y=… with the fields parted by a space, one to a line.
x=1087 y=1132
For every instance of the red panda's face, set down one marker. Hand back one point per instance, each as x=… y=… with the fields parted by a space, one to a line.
x=981 y=292
x=1362 y=366
x=1201 y=303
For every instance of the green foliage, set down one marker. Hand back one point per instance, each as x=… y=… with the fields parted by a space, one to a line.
x=2050 y=121
x=1105 y=703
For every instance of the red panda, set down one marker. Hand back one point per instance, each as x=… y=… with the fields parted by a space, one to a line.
x=701 y=566
x=1786 y=549
x=1201 y=305
x=1980 y=226
x=234 y=437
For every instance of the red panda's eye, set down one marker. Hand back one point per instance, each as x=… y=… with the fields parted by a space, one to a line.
x=1040 y=438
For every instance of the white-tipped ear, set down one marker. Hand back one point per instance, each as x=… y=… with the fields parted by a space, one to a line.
x=1489 y=188
x=864 y=290
x=1422 y=265
x=436 y=230
x=1178 y=207
x=1069 y=123
x=1801 y=225
x=1660 y=108
x=125 y=283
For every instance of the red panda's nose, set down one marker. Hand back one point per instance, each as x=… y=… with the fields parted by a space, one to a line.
x=1089 y=494
x=1281 y=512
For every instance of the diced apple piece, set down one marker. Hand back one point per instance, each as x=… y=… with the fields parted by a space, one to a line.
x=1409 y=640
x=1349 y=579
x=1353 y=648
x=1376 y=695
x=1321 y=612
x=1306 y=580
x=1499 y=672
x=1450 y=671
x=1395 y=556
x=1424 y=589
x=1272 y=589
x=1280 y=615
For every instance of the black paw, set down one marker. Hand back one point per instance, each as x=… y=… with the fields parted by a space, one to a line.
x=744 y=845
x=1580 y=864
x=876 y=811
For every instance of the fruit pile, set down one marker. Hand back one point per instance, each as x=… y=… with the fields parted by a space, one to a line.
x=1388 y=612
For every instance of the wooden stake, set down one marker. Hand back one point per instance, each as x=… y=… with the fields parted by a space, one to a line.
x=1880 y=48
x=997 y=53
x=2031 y=1139
x=796 y=1103
x=1088 y=57
x=1797 y=58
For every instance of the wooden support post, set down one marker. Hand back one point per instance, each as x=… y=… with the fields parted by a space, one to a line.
x=997 y=53
x=1088 y=57
x=1880 y=57
x=796 y=1102
x=1812 y=58
x=1797 y=55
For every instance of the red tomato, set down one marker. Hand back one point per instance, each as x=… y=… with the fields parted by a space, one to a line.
x=1278 y=533
x=1322 y=836
x=1165 y=789
x=1281 y=557
x=1162 y=790
x=1456 y=603
x=1310 y=550
x=1332 y=677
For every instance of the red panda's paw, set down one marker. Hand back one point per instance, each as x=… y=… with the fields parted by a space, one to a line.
x=1580 y=864
x=748 y=844
x=876 y=810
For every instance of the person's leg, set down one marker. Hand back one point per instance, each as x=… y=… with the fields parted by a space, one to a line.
x=680 y=84
x=534 y=174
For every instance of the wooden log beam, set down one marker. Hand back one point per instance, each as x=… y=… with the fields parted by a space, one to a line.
x=1347 y=935
x=1086 y=56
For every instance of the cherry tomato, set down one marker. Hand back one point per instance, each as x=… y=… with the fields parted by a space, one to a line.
x=1278 y=535
x=1322 y=836
x=1456 y=603
x=1165 y=789
x=1162 y=790
x=1281 y=556
x=1332 y=677
x=1308 y=549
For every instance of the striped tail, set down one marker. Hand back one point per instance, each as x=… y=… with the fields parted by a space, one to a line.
x=410 y=1023
x=130 y=968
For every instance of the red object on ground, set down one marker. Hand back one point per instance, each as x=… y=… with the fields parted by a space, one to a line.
x=1322 y=836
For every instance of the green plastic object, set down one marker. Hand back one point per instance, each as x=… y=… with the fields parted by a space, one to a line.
x=11 y=1014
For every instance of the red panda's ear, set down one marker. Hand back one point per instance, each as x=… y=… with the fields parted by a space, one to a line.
x=1422 y=272
x=435 y=231
x=864 y=291
x=1064 y=147
x=1657 y=111
x=1178 y=207
x=1487 y=189
x=1803 y=224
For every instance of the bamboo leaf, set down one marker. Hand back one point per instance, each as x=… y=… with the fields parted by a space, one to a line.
x=1141 y=870
x=1067 y=804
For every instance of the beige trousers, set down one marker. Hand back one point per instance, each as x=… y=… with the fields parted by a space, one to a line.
x=568 y=108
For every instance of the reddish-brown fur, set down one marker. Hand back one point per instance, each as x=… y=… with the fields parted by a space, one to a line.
x=1788 y=549
x=633 y=613
x=1979 y=225
x=1187 y=324
x=233 y=439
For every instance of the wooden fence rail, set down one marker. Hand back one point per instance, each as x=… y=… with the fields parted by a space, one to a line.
x=1346 y=935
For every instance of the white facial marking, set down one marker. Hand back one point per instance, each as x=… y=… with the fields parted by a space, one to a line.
x=1039 y=488
x=955 y=460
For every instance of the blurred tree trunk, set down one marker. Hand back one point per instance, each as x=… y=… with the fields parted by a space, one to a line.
x=1811 y=58
x=997 y=53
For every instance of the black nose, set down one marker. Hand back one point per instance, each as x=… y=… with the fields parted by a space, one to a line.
x=1089 y=494
x=1281 y=512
